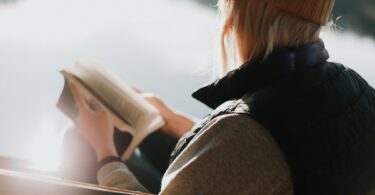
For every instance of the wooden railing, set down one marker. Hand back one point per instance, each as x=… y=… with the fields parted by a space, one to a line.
x=17 y=177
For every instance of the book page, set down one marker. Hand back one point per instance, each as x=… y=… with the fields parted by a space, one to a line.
x=116 y=94
x=67 y=104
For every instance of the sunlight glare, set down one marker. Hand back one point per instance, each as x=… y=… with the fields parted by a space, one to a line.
x=45 y=148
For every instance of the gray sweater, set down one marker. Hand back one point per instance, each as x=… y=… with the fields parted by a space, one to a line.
x=233 y=154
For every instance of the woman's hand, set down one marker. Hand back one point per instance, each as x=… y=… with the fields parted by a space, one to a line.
x=94 y=124
x=176 y=124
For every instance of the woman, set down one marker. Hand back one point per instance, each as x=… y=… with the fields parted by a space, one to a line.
x=285 y=120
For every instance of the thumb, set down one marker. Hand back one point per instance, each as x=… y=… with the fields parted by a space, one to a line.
x=78 y=98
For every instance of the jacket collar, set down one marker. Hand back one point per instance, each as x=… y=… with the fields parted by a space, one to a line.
x=258 y=73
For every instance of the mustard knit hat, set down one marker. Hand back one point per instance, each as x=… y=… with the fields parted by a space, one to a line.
x=317 y=11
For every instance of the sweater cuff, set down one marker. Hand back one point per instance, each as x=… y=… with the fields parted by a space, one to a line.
x=108 y=159
x=114 y=173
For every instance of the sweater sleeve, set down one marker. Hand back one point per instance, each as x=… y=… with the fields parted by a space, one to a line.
x=233 y=154
x=117 y=175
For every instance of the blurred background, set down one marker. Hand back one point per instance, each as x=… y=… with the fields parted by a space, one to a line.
x=161 y=46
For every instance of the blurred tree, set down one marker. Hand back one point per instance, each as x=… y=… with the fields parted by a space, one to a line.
x=357 y=16
x=210 y=3
x=7 y=1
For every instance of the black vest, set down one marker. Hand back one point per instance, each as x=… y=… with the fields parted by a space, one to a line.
x=321 y=114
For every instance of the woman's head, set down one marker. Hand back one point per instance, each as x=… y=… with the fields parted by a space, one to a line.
x=255 y=27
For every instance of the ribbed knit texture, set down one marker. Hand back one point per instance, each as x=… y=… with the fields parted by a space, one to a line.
x=317 y=11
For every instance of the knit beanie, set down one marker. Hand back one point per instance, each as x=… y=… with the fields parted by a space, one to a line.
x=316 y=11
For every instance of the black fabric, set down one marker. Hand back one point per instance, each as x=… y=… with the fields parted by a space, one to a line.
x=320 y=113
x=259 y=73
x=156 y=148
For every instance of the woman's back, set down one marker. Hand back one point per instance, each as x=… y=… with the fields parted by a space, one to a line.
x=321 y=114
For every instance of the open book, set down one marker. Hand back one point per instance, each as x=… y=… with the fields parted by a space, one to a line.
x=129 y=111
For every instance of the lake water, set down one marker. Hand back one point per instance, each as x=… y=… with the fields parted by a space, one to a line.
x=161 y=46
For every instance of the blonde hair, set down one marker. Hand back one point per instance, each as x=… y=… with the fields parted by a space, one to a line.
x=253 y=28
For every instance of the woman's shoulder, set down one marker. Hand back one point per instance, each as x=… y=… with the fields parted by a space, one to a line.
x=239 y=136
x=233 y=153
x=240 y=133
x=235 y=126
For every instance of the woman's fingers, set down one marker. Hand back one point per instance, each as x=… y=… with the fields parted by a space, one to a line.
x=92 y=105
x=79 y=99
